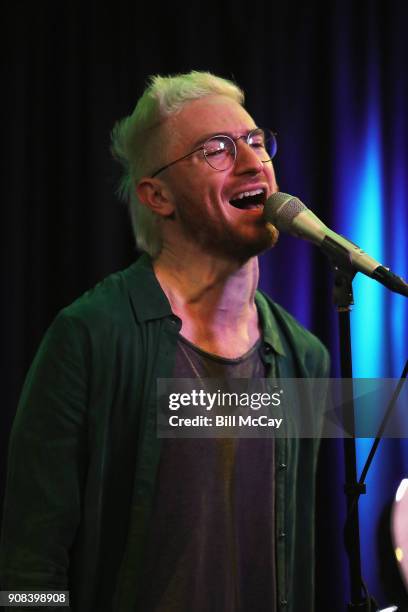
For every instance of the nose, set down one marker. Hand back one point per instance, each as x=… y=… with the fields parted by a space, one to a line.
x=247 y=160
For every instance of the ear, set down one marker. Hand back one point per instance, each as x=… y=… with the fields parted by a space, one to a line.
x=154 y=194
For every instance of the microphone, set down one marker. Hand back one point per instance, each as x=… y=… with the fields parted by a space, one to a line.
x=289 y=214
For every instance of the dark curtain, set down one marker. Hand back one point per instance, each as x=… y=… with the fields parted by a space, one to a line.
x=330 y=79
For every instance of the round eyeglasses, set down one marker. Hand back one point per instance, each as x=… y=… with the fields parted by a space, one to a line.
x=220 y=151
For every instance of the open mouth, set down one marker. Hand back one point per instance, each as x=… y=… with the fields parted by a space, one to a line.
x=249 y=200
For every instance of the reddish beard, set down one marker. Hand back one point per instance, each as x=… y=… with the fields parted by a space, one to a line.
x=226 y=240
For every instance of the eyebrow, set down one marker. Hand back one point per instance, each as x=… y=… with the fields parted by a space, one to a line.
x=204 y=138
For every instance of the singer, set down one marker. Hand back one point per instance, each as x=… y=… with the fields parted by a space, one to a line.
x=96 y=504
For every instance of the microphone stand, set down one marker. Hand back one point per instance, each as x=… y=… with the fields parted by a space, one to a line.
x=343 y=300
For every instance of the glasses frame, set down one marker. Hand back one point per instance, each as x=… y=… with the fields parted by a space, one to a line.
x=234 y=142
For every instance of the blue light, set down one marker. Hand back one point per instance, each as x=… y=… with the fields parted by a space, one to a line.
x=367 y=321
x=398 y=249
x=359 y=215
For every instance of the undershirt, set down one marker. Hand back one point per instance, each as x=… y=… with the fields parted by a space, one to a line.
x=211 y=543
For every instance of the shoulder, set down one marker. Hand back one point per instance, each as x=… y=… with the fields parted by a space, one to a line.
x=311 y=353
x=108 y=299
x=97 y=318
x=123 y=312
x=119 y=300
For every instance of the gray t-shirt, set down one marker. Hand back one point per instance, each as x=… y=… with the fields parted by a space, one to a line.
x=211 y=544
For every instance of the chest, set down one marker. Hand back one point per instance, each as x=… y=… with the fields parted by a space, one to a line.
x=229 y=338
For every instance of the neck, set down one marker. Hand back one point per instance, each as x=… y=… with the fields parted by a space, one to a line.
x=214 y=299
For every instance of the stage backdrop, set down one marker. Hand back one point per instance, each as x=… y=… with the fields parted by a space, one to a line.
x=331 y=82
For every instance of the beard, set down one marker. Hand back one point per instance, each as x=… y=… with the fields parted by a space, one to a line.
x=227 y=240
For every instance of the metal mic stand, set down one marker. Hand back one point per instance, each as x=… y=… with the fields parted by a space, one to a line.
x=343 y=300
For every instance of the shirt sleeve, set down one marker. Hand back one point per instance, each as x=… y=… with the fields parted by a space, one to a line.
x=47 y=464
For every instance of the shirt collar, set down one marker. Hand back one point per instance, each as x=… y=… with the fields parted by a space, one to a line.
x=148 y=298
x=269 y=325
x=150 y=302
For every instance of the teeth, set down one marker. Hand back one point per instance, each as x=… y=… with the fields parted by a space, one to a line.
x=246 y=194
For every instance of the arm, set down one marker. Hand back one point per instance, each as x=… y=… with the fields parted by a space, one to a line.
x=47 y=465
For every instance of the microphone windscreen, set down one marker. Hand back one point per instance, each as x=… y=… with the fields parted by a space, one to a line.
x=281 y=208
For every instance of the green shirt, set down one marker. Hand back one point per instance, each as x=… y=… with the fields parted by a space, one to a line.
x=84 y=453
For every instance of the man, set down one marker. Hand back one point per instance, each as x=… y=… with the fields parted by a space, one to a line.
x=96 y=502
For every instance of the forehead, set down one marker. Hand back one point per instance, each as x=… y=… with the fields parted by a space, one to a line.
x=210 y=115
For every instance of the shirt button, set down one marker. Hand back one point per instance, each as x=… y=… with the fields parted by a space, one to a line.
x=267 y=348
x=174 y=320
x=282 y=466
x=282 y=534
x=283 y=603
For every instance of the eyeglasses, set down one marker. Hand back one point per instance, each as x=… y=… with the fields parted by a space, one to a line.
x=220 y=151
